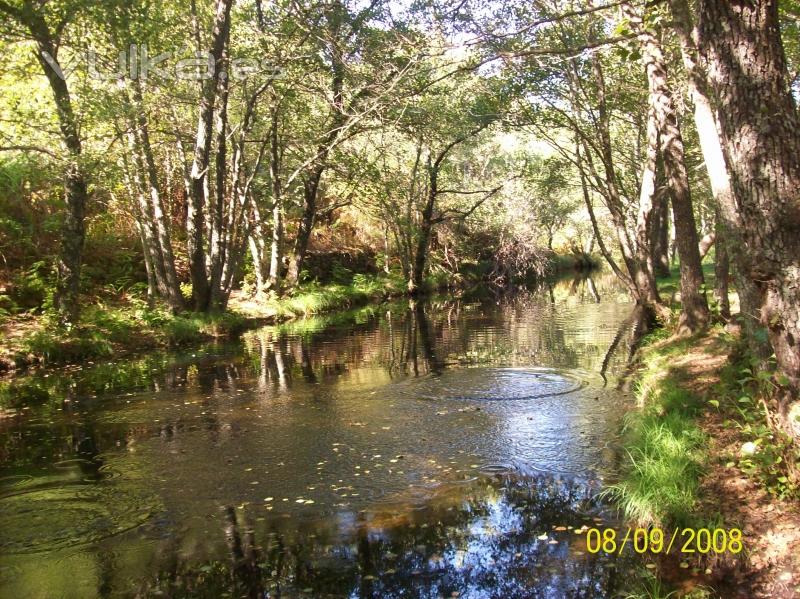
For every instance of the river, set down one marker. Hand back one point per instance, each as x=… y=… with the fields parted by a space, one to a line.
x=448 y=448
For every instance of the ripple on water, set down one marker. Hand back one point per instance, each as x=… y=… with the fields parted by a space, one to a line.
x=55 y=518
x=496 y=384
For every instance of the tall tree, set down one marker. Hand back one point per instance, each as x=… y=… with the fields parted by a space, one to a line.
x=705 y=120
x=694 y=306
x=760 y=127
x=195 y=223
x=32 y=18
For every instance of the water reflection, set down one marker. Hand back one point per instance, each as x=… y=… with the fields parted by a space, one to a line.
x=493 y=537
x=357 y=456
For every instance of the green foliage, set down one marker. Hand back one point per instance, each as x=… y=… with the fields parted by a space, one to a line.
x=32 y=288
x=55 y=346
x=313 y=298
x=650 y=586
x=664 y=445
x=768 y=455
x=104 y=330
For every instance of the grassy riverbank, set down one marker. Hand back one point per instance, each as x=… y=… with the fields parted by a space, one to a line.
x=120 y=324
x=129 y=325
x=699 y=453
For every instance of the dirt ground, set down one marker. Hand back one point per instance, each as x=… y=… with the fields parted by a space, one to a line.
x=770 y=563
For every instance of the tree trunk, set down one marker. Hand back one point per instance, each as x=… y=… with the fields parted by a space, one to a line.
x=639 y=281
x=659 y=240
x=705 y=244
x=276 y=248
x=258 y=249
x=417 y=279
x=75 y=189
x=338 y=119
x=195 y=222
x=721 y=273
x=595 y=227
x=169 y=287
x=612 y=196
x=645 y=276
x=310 y=191
x=694 y=307
x=707 y=126
x=759 y=123
x=218 y=230
x=137 y=201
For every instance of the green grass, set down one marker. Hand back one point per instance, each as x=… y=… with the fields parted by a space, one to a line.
x=313 y=299
x=105 y=331
x=665 y=447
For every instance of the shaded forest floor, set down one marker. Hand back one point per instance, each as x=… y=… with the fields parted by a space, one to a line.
x=692 y=385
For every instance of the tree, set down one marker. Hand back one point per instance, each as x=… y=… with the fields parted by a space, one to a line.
x=201 y=286
x=694 y=307
x=707 y=126
x=47 y=38
x=759 y=126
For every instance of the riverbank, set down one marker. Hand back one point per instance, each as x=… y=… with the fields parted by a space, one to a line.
x=129 y=326
x=126 y=325
x=699 y=454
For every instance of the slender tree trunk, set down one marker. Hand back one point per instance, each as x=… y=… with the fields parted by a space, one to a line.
x=145 y=216
x=195 y=222
x=310 y=192
x=169 y=287
x=659 y=239
x=417 y=279
x=613 y=197
x=634 y=258
x=338 y=119
x=75 y=189
x=276 y=248
x=137 y=201
x=694 y=306
x=595 y=227
x=218 y=229
x=645 y=275
x=258 y=249
x=760 y=128
x=721 y=273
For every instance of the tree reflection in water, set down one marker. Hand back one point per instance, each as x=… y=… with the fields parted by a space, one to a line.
x=502 y=536
x=178 y=451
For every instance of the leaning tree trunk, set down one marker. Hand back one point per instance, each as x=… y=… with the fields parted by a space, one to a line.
x=195 y=222
x=611 y=192
x=417 y=279
x=645 y=275
x=310 y=194
x=760 y=128
x=694 y=306
x=338 y=120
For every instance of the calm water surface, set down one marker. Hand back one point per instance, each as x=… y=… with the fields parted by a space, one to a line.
x=450 y=448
